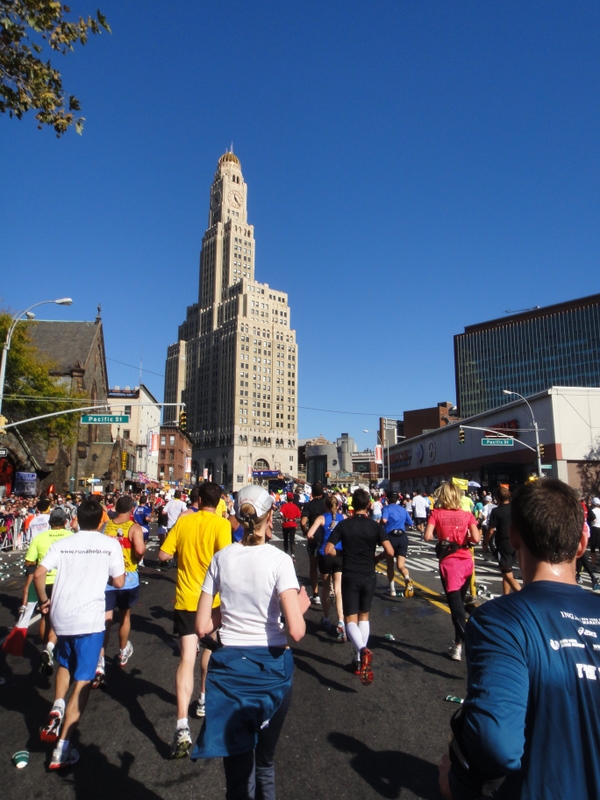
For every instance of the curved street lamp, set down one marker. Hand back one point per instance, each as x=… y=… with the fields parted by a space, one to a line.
x=535 y=428
x=62 y=301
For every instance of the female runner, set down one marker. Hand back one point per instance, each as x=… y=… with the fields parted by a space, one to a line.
x=456 y=530
x=249 y=681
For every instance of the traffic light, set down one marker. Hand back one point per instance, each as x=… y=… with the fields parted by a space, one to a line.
x=123 y=461
x=461 y=436
x=182 y=420
x=541 y=450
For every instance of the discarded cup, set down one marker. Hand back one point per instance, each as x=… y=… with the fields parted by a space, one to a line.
x=21 y=759
x=390 y=637
x=450 y=698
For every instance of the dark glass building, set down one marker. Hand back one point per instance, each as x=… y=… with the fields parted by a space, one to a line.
x=527 y=353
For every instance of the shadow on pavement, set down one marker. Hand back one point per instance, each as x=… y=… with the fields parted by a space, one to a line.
x=388 y=772
x=125 y=689
x=95 y=778
x=397 y=648
x=304 y=666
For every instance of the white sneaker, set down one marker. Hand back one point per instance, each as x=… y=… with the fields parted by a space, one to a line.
x=125 y=655
x=201 y=708
x=392 y=592
x=182 y=743
x=456 y=652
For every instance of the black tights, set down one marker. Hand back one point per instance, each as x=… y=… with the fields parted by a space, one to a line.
x=456 y=604
x=251 y=776
x=289 y=540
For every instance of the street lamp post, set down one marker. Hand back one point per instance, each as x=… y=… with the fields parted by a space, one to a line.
x=535 y=429
x=63 y=301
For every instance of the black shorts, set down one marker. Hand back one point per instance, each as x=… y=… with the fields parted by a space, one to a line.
x=121 y=598
x=594 y=539
x=312 y=546
x=328 y=565
x=184 y=622
x=507 y=557
x=357 y=594
x=399 y=542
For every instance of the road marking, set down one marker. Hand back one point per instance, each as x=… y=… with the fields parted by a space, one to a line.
x=425 y=589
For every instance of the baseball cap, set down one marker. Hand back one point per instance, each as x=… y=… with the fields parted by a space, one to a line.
x=290 y=495
x=596 y=501
x=58 y=516
x=488 y=498
x=255 y=496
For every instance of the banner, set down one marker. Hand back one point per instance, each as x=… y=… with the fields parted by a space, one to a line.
x=462 y=483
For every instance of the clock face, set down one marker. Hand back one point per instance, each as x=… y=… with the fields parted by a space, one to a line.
x=215 y=199
x=235 y=198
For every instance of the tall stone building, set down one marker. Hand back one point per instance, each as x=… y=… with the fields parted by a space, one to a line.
x=235 y=363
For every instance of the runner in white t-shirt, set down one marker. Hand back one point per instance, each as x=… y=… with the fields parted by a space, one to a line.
x=84 y=563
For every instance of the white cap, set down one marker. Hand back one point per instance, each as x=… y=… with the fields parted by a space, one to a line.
x=596 y=501
x=255 y=496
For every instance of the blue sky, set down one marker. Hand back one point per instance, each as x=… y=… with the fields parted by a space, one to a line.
x=412 y=168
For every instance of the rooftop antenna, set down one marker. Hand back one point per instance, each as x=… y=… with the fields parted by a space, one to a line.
x=521 y=310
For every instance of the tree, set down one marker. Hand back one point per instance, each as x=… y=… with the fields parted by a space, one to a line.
x=30 y=389
x=27 y=83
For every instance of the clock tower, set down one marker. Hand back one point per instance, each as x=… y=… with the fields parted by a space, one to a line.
x=235 y=362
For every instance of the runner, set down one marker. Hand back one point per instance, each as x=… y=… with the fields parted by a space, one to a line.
x=499 y=530
x=455 y=530
x=313 y=509
x=291 y=517
x=195 y=539
x=395 y=519
x=330 y=566
x=130 y=537
x=34 y=556
x=250 y=675
x=359 y=537
x=84 y=563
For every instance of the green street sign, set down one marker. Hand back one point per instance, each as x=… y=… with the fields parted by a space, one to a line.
x=499 y=442
x=546 y=466
x=103 y=419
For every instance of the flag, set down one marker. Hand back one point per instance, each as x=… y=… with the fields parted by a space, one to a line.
x=462 y=483
x=14 y=643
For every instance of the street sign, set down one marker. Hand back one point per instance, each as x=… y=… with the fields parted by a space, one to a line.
x=499 y=442
x=546 y=466
x=103 y=419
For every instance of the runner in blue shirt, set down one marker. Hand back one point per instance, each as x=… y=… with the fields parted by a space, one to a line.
x=395 y=518
x=531 y=717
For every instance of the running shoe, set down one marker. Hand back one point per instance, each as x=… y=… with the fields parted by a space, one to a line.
x=456 y=652
x=182 y=743
x=49 y=733
x=326 y=623
x=409 y=590
x=201 y=708
x=63 y=758
x=355 y=667
x=100 y=677
x=366 y=673
x=341 y=632
x=315 y=600
x=47 y=663
x=125 y=655
x=579 y=579
x=392 y=591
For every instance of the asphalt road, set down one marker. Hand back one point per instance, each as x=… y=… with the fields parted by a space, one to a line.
x=340 y=740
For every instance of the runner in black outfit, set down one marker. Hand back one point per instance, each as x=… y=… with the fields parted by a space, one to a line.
x=359 y=536
x=313 y=509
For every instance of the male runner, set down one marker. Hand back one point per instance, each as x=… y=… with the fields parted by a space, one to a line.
x=195 y=539
x=499 y=530
x=394 y=519
x=531 y=716
x=359 y=536
x=35 y=553
x=84 y=563
x=130 y=537
x=291 y=516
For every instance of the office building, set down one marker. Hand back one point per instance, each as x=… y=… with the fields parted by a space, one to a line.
x=528 y=353
x=235 y=362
